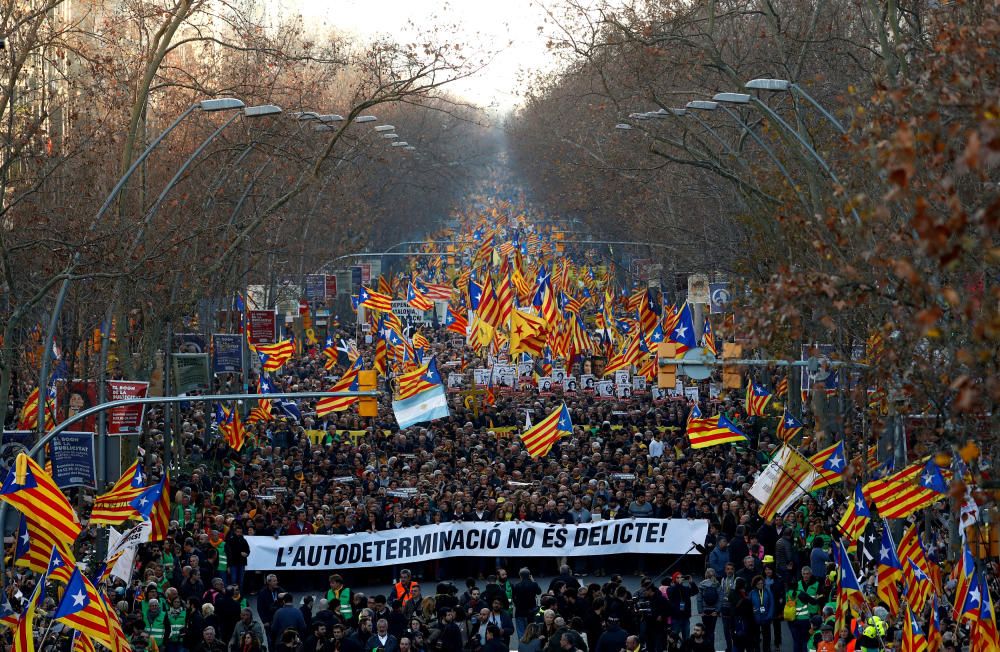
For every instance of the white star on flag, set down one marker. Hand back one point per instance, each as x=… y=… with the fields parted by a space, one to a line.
x=835 y=462
x=974 y=596
x=680 y=331
x=883 y=553
x=78 y=598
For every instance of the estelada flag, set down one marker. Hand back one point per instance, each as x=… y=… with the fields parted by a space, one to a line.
x=30 y=490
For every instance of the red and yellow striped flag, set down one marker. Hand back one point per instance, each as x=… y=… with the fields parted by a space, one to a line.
x=274 y=356
x=538 y=439
x=112 y=507
x=373 y=300
x=347 y=383
x=30 y=490
x=28 y=419
x=796 y=477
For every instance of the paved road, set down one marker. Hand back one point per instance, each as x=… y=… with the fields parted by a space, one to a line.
x=631 y=581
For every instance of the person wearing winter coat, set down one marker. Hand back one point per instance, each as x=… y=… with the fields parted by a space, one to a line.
x=709 y=602
x=763 y=610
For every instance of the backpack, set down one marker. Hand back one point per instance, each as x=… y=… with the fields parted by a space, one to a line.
x=710 y=596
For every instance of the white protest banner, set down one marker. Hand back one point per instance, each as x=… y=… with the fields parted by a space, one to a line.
x=461 y=539
x=763 y=486
x=126 y=544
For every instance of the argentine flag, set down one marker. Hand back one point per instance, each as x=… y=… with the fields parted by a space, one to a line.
x=428 y=405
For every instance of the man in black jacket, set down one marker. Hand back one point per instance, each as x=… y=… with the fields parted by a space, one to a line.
x=613 y=638
x=525 y=594
x=445 y=636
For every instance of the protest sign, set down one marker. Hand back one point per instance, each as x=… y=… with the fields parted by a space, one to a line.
x=467 y=539
x=126 y=419
x=72 y=455
x=227 y=353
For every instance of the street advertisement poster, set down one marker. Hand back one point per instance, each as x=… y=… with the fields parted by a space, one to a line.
x=411 y=545
x=190 y=372
x=261 y=327
x=72 y=455
x=74 y=397
x=316 y=287
x=330 y=281
x=227 y=353
x=126 y=419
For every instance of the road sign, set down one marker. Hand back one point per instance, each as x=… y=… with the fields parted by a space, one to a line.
x=695 y=369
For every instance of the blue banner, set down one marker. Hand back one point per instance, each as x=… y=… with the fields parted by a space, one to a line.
x=316 y=287
x=227 y=353
x=72 y=455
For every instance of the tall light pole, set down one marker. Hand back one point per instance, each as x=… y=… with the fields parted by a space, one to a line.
x=100 y=453
x=783 y=85
x=706 y=105
x=744 y=98
x=208 y=106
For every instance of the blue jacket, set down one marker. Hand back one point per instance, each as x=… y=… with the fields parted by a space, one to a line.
x=763 y=605
x=717 y=559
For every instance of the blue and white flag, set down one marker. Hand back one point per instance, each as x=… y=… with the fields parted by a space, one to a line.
x=428 y=405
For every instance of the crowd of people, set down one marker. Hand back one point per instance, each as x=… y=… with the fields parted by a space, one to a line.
x=626 y=457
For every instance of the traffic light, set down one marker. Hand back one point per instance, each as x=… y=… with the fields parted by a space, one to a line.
x=367 y=405
x=666 y=374
x=732 y=376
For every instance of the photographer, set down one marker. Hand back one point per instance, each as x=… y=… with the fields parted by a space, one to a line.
x=679 y=594
x=653 y=609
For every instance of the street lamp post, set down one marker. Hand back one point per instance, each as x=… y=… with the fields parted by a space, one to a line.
x=208 y=106
x=744 y=98
x=101 y=408
x=783 y=85
x=249 y=112
x=706 y=105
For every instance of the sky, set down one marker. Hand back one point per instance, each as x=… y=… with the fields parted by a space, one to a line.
x=486 y=25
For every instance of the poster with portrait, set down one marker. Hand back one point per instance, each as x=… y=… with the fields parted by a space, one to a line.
x=455 y=380
x=545 y=384
x=622 y=377
x=481 y=376
x=691 y=394
x=638 y=383
x=558 y=375
x=74 y=397
x=570 y=384
x=605 y=389
x=660 y=394
x=623 y=391
x=588 y=382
